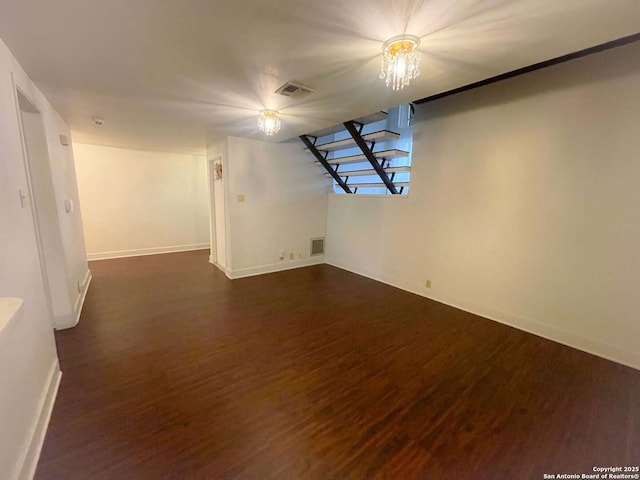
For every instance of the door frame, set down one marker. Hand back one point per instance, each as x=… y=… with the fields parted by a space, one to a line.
x=32 y=203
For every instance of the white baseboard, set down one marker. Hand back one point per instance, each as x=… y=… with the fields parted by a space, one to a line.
x=274 y=267
x=27 y=467
x=86 y=281
x=71 y=320
x=594 y=347
x=224 y=270
x=147 y=251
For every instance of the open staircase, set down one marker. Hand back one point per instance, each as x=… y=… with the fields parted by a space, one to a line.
x=349 y=155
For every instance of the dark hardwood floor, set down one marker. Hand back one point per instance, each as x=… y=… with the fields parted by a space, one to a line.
x=177 y=372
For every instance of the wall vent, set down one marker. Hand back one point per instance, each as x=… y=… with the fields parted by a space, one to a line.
x=294 y=90
x=317 y=246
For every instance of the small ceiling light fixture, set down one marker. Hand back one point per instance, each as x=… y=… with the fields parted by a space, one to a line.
x=269 y=122
x=400 y=61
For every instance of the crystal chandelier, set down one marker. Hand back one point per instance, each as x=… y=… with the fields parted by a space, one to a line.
x=269 y=122
x=400 y=61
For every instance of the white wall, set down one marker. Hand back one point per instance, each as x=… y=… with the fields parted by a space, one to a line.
x=139 y=202
x=524 y=206
x=29 y=371
x=63 y=171
x=52 y=177
x=284 y=206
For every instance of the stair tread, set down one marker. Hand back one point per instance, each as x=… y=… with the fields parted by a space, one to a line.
x=376 y=185
x=380 y=135
x=393 y=153
x=371 y=171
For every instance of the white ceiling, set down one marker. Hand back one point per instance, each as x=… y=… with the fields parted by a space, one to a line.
x=171 y=74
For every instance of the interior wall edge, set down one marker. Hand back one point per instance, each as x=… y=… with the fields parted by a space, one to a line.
x=147 y=251
x=223 y=269
x=274 y=267
x=619 y=42
x=71 y=320
x=121 y=147
x=534 y=327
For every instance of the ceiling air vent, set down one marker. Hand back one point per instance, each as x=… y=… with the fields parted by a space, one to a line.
x=294 y=90
x=317 y=246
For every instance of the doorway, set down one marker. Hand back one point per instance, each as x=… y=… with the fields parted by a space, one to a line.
x=43 y=202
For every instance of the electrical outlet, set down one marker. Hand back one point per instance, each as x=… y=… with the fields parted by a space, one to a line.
x=427 y=284
x=291 y=256
x=240 y=198
x=282 y=254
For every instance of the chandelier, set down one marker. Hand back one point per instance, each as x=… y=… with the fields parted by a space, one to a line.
x=269 y=122
x=400 y=61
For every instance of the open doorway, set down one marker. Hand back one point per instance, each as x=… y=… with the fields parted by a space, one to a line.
x=42 y=196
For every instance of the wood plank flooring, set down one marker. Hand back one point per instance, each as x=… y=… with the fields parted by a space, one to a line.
x=176 y=372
